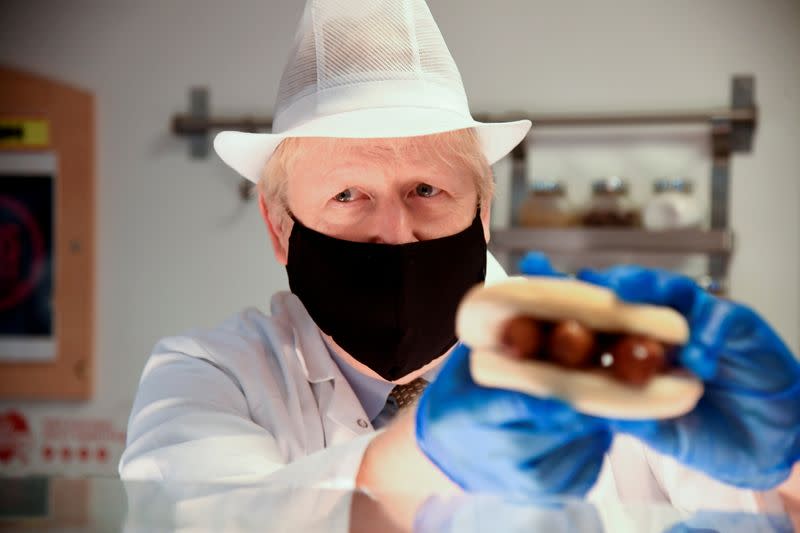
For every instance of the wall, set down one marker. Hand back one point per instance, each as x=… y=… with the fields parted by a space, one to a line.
x=176 y=247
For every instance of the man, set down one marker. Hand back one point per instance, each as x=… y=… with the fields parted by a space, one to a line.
x=376 y=190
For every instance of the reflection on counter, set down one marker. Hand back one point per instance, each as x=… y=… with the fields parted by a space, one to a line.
x=105 y=504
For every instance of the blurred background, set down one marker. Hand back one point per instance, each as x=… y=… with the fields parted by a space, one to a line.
x=176 y=246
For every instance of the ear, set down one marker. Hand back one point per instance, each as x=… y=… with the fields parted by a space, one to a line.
x=486 y=217
x=278 y=232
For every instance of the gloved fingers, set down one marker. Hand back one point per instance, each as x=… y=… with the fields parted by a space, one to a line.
x=513 y=409
x=548 y=414
x=501 y=408
x=657 y=287
x=538 y=264
x=523 y=442
x=572 y=469
x=699 y=360
x=641 y=285
x=662 y=435
x=733 y=345
x=455 y=368
x=498 y=406
x=491 y=406
x=521 y=412
x=693 y=440
x=735 y=357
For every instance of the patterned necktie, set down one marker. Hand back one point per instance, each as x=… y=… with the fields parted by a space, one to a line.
x=406 y=395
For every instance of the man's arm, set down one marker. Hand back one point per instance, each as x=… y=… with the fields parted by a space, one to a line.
x=190 y=430
x=785 y=498
x=190 y=422
x=397 y=476
x=465 y=436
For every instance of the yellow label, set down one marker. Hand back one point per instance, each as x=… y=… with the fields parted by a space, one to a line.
x=24 y=132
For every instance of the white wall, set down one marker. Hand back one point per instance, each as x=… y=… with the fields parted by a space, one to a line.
x=176 y=249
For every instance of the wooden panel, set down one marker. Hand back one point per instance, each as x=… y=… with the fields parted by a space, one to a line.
x=70 y=112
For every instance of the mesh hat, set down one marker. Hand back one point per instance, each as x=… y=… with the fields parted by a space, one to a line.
x=366 y=69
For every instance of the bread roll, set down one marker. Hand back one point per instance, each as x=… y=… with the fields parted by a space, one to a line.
x=485 y=309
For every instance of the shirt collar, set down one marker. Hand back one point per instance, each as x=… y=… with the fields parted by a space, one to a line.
x=371 y=392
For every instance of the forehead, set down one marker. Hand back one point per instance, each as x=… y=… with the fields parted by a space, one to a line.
x=421 y=151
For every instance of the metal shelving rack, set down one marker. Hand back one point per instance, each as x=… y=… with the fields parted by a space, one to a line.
x=731 y=130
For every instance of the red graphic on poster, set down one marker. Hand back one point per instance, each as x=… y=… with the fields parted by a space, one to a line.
x=102 y=455
x=26 y=256
x=20 y=273
x=47 y=453
x=10 y=253
x=15 y=437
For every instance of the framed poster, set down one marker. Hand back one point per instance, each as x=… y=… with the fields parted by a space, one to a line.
x=27 y=258
x=47 y=191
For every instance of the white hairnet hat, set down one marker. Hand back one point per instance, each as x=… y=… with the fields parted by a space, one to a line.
x=366 y=69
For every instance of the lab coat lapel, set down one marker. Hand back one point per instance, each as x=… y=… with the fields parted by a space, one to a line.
x=343 y=417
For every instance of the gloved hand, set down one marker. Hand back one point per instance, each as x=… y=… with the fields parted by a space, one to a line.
x=745 y=430
x=495 y=440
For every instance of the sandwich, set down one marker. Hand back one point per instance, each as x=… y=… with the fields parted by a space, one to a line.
x=577 y=342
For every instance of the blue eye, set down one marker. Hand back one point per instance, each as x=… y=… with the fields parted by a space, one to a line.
x=427 y=191
x=344 y=196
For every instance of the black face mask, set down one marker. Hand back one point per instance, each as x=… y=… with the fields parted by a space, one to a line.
x=390 y=306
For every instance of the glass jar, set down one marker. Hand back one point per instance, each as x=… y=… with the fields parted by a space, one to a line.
x=673 y=206
x=546 y=206
x=611 y=206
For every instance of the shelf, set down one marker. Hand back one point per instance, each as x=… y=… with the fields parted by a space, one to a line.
x=689 y=241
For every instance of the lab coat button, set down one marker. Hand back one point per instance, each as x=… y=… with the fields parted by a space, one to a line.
x=362 y=423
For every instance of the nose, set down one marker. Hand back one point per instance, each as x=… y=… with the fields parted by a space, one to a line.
x=393 y=224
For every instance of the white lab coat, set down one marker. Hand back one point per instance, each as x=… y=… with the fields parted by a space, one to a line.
x=259 y=399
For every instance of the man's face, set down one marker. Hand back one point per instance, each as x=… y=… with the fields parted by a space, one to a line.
x=368 y=193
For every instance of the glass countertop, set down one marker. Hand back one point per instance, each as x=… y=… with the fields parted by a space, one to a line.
x=108 y=504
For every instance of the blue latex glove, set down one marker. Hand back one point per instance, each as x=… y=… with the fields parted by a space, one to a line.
x=745 y=430
x=495 y=440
